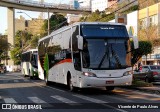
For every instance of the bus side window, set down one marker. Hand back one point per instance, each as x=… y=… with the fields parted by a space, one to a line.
x=76 y=52
x=77 y=60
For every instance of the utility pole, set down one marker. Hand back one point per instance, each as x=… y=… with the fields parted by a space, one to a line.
x=48 y=22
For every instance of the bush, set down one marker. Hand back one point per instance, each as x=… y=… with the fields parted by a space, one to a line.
x=137 y=83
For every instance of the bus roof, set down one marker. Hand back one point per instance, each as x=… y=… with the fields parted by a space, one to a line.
x=79 y=23
x=30 y=50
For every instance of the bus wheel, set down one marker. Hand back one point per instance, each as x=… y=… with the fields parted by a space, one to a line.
x=147 y=80
x=110 y=88
x=46 y=81
x=31 y=77
x=70 y=84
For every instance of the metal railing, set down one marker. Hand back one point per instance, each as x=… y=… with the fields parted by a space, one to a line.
x=47 y=5
x=118 y=6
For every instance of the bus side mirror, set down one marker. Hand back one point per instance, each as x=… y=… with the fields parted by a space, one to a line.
x=135 y=42
x=80 y=42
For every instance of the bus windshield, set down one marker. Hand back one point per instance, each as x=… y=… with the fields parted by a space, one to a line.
x=105 y=46
x=106 y=54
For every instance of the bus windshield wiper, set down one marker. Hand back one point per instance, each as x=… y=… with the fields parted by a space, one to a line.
x=104 y=56
x=116 y=57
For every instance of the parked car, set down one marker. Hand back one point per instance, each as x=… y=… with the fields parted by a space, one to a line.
x=2 y=68
x=148 y=73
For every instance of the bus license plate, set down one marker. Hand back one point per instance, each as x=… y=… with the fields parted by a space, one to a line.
x=110 y=82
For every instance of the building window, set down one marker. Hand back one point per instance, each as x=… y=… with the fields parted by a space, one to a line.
x=143 y=23
x=26 y=23
x=153 y=20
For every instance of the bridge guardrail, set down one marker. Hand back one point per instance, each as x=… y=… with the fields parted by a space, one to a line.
x=47 y=5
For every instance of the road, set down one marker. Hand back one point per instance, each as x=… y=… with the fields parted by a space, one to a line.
x=22 y=92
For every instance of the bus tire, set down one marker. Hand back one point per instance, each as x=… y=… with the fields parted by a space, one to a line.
x=147 y=80
x=45 y=78
x=110 y=88
x=31 y=77
x=69 y=83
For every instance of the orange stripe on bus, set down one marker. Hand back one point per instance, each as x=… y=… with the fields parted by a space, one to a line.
x=65 y=61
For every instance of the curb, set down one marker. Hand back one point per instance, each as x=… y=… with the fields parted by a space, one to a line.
x=146 y=90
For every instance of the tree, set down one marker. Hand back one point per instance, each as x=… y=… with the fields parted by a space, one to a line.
x=145 y=48
x=4 y=47
x=149 y=34
x=56 y=21
x=34 y=41
x=22 y=42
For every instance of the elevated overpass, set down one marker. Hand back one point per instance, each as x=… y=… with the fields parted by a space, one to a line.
x=34 y=6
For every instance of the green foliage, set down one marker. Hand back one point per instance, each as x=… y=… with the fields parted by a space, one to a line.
x=56 y=21
x=4 y=47
x=16 y=55
x=97 y=16
x=34 y=41
x=103 y=17
x=131 y=9
x=22 y=42
x=145 y=47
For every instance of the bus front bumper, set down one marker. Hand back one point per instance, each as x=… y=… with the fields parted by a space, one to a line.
x=88 y=82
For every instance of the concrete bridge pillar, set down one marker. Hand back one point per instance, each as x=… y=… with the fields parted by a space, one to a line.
x=11 y=29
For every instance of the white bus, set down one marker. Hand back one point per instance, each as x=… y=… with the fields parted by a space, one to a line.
x=29 y=63
x=85 y=55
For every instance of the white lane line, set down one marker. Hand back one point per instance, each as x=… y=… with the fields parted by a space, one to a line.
x=39 y=101
x=90 y=99
x=9 y=100
x=99 y=102
x=26 y=80
x=65 y=100
x=16 y=81
x=36 y=100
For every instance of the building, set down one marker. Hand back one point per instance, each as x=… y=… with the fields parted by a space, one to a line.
x=85 y=3
x=100 y=5
x=149 y=15
x=71 y=18
x=33 y=26
x=111 y=2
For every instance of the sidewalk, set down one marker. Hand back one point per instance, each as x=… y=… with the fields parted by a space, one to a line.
x=152 y=90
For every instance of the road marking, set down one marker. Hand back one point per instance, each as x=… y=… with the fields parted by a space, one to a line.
x=26 y=80
x=65 y=100
x=99 y=102
x=36 y=100
x=16 y=81
x=90 y=99
x=9 y=100
x=41 y=102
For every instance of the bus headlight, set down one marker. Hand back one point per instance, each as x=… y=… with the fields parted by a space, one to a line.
x=127 y=73
x=89 y=74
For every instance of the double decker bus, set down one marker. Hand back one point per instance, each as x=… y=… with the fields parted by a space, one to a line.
x=86 y=55
x=29 y=63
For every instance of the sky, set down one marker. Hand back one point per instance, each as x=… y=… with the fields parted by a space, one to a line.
x=3 y=14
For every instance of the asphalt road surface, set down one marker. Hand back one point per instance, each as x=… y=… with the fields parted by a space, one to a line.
x=21 y=94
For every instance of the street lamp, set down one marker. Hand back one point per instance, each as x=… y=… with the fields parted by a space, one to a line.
x=36 y=21
x=25 y=13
